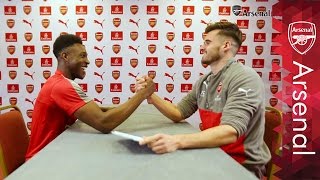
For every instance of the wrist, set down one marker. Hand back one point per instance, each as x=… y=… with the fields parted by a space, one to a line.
x=179 y=141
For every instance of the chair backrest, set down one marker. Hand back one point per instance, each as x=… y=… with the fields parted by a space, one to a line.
x=272 y=138
x=14 y=140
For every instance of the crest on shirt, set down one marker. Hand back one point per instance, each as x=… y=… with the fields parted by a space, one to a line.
x=218 y=90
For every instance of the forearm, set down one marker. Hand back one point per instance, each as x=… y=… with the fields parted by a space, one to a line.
x=115 y=116
x=166 y=108
x=104 y=109
x=213 y=137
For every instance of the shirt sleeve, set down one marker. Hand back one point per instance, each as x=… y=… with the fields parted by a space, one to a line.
x=69 y=96
x=188 y=105
x=245 y=97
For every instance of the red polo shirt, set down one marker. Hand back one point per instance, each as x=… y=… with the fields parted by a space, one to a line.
x=56 y=103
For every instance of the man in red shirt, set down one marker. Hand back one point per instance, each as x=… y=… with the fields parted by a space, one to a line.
x=61 y=100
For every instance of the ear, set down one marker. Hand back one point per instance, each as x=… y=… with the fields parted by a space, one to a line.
x=64 y=56
x=227 y=45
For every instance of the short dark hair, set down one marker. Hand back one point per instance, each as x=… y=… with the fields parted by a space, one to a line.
x=226 y=29
x=64 y=41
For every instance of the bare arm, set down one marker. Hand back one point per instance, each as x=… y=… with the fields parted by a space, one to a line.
x=166 y=108
x=92 y=114
x=104 y=109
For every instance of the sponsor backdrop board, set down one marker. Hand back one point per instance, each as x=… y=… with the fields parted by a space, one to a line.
x=126 y=39
x=162 y=39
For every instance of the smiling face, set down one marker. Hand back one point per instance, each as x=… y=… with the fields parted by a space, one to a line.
x=76 y=59
x=212 y=47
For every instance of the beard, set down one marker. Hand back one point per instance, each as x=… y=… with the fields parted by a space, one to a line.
x=211 y=56
x=207 y=59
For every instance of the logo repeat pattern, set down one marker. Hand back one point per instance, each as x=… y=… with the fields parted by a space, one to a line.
x=161 y=39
